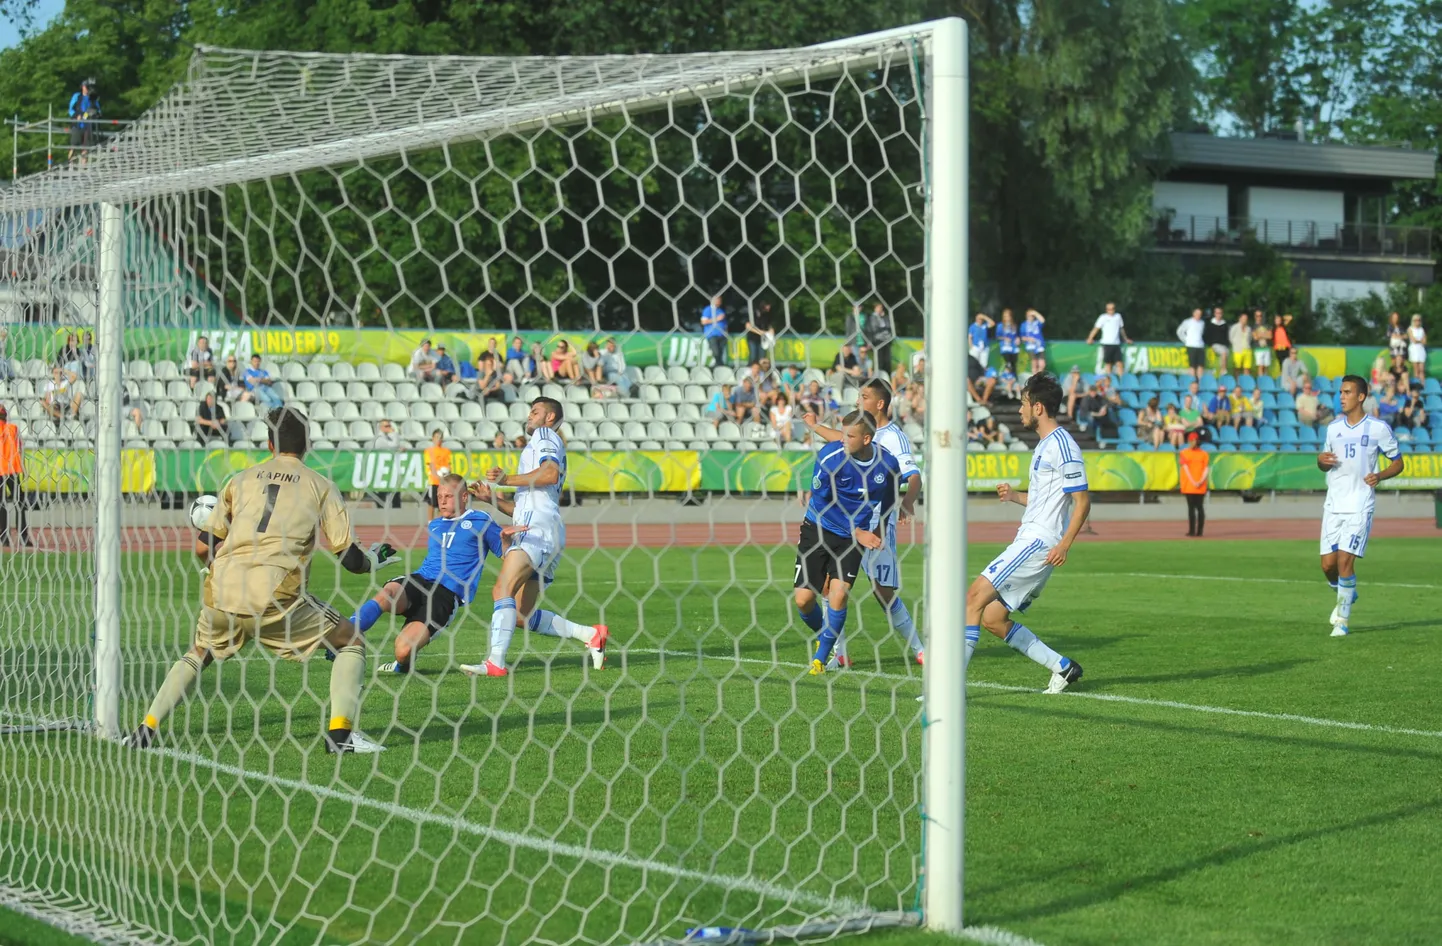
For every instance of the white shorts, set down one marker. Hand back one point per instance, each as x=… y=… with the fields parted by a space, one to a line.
x=1416 y=353
x=1345 y=532
x=1262 y=357
x=543 y=545
x=1020 y=573
x=980 y=353
x=880 y=564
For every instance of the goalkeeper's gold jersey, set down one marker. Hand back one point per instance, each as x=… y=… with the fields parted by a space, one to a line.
x=269 y=517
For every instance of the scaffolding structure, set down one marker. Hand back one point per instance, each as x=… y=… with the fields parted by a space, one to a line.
x=56 y=132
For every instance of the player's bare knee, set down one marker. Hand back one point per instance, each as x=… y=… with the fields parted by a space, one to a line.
x=883 y=595
x=805 y=599
x=979 y=595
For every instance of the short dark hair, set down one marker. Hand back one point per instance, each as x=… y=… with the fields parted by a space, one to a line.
x=1044 y=389
x=882 y=390
x=1357 y=380
x=288 y=431
x=859 y=419
x=254 y=355
x=552 y=405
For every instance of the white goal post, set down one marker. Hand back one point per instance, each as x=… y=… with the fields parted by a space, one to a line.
x=457 y=194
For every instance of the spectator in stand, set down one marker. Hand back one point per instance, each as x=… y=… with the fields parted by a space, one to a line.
x=200 y=362
x=1192 y=333
x=231 y=382
x=1193 y=471
x=1239 y=340
x=744 y=403
x=498 y=442
x=916 y=399
x=978 y=384
x=1191 y=416
x=1194 y=388
x=591 y=365
x=1009 y=387
x=7 y=370
x=1218 y=411
x=977 y=335
x=845 y=367
x=386 y=437
x=613 y=369
x=1413 y=416
x=1034 y=341
x=759 y=334
x=1417 y=348
x=1073 y=388
x=781 y=418
x=1388 y=406
x=467 y=373
x=899 y=379
x=813 y=400
x=880 y=332
x=210 y=421
x=565 y=366
x=423 y=362
x=719 y=407
x=88 y=357
x=1281 y=337
x=1150 y=423
x=863 y=361
x=1293 y=372
x=68 y=357
x=516 y=358
x=1261 y=344
x=510 y=388
x=488 y=380
x=1400 y=374
x=1242 y=408
x=1216 y=336
x=791 y=381
x=713 y=328
x=61 y=395
x=1307 y=404
x=1112 y=328
x=1090 y=409
x=1008 y=340
x=1174 y=427
x=1253 y=404
x=536 y=365
x=261 y=385
x=445 y=372
x=768 y=382
x=990 y=432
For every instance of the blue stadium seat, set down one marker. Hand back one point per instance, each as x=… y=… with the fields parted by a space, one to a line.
x=1170 y=382
x=1432 y=386
x=1166 y=448
x=1434 y=421
x=1229 y=380
x=1287 y=448
x=1269 y=401
x=1130 y=399
x=1247 y=383
x=1148 y=382
x=1423 y=436
x=1267 y=383
x=1226 y=435
x=1269 y=446
x=1312 y=436
x=1322 y=385
x=1286 y=435
x=1138 y=446
x=1433 y=403
x=1209 y=448
x=1248 y=435
x=1286 y=418
x=1228 y=448
x=1405 y=447
x=1285 y=401
x=1127 y=382
x=1127 y=416
x=1127 y=432
x=1169 y=397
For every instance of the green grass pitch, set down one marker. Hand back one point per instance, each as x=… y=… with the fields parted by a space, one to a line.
x=561 y=803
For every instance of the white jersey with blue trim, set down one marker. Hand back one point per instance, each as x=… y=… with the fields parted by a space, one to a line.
x=540 y=505
x=1357 y=448
x=1057 y=471
x=894 y=441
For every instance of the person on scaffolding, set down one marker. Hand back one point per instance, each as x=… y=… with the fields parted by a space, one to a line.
x=84 y=108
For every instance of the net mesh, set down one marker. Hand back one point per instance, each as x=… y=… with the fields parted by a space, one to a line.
x=327 y=214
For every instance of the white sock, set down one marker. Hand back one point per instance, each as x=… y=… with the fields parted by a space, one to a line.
x=1024 y=641
x=1346 y=591
x=503 y=628
x=973 y=635
x=840 y=649
x=552 y=624
x=900 y=619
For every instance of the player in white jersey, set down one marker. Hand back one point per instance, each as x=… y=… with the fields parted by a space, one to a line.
x=530 y=562
x=1057 y=505
x=1354 y=442
x=881 y=565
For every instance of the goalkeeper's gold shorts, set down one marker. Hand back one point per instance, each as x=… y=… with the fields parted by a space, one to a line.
x=293 y=633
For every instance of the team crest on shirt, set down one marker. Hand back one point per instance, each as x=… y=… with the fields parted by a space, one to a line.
x=879 y=478
x=1364 y=440
x=466 y=524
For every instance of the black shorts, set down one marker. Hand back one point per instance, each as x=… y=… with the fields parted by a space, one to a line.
x=1111 y=354
x=821 y=554
x=1196 y=357
x=427 y=601
x=432 y=498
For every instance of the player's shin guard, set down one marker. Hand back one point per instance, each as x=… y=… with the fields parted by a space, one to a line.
x=551 y=624
x=503 y=627
x=1021 y=639
x=347 y=675
x=183 y=674
x=366 y=616
x=1346 y=594
x=900 y=619
x=830 y=632
x=973 y=637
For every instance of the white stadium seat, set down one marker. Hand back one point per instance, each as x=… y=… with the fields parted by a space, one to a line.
x=307 y=391
x=392 y=372
x=642 y=411
x=472 y=411
x=166 y=371
x=634 y=430
x=348 y=410
x=138 y=369
x=414 y=431
x=654 y=374
x=397 y=411
x=696 y=394
x=447 y=411
x=321 y=411
x=318 y=371
x=701 y=375
x=432 y=392
x=293 y=371
x=361 y=430
x=333 y=391
x=383 y=391
x=243 y=411
x=367 y=371
x=342 y=371
x=666 y=412
x=408 y=391
x=677 y=374
x=651 y=445
x=608 y=430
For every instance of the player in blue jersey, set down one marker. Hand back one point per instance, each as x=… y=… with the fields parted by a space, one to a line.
x=460 y=539
x=853 y=490
x=1354 y=442
x=1034 y=341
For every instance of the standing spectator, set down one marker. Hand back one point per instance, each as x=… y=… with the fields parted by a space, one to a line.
x=68 y=357
x=88 y=358
x=1216 y=336
x=1192 y=333
x=1113 y=331
x=231 y=382
x=1174 y=426
x=261 y=385
x=211 y=422
x=1417 y=348
x=438 y=464
x=743 y=401
x=488 y=380
x=200 y=363
x=423 y=362
x=1218 y=411
x=845 y=366
x=591 y=366
x=759 y=334
x=613 y=368
x=445 y=370
x=1073 y=388
x=12 y=491
x=1034 y=341
x=1293 y=372
x=1193 y=472
x=713 y=328
x=1307 y=404
x=781 y=418
x=60 y=396
x=1008 y=340
x=1261 y=344
x=1150 y=423
x=84 y=110
x=880 y=333
x=1239 y=339
x=7 y=370
x=1281 y=337
x=1397 y=338
x=976 y=335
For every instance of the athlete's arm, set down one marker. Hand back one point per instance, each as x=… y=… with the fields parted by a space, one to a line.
x=867 y=540
x=909 y=499
x=1081 y=508
x=206 y=545
x=481 y=490
x=1010 y=494
x=547 y=474
x=1327 y=460
x=1393 y=468
x=821 y=430
x=359 y=561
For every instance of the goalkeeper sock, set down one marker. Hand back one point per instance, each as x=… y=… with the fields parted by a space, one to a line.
x=1346 y=591
x=177 y=683
x=347 y=675
x=900 y=619
x=552 y=624
x=366 y=617
x=1021 y=639
x=973 y=637
x=503 y=628
x=812 y=618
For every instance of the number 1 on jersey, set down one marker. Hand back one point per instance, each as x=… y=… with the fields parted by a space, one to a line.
x=272 y=493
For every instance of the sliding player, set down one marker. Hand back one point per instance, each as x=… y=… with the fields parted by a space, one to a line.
x=258 y=546
x=447 y=579
x=881 y=565
x=533 y=556
x=1349 y=458
x=1048 y=529
x=853 y=490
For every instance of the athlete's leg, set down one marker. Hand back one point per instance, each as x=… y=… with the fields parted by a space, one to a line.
x=1346 y=588
x=347 y=676
x=173 y=690
x=837 y=592
x=1329 y=568
x=414 y=636
x=551 y=624
x=516 y=571
x=898 y=616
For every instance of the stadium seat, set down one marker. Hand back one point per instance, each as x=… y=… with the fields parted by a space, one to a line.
x=1248 y=435
x=578 y=394
x=432 y=392
x=1423 y=437
x=643 y=411
x=321 y=411
x=617 y=411
x=1207 y=447
x=650 y=445
x=678 y=375
x=392 y=372
x=367 y=371
x=597 y=446
x=1127 y=432
x=1018 y=446
x=695 y=394
x=383 y=391
x=1130 y=399
x=723 y=374
x=1432 y=386
x=1247 y=383
x=448 y=411
x=1227 y=448
x=166 y=370
x=497 y=412
x=707 y=432
x=342 y=371
x=608 y=430
x=1322 y=385
x=1285 y=401
x=372 y=411
x=666 y=412
x=1267 y=383
x=658 y=430
x=699 y=445
x=138 y=369
x=1126 y=382
x=1148 y=384
x=1127 y=416
x=1285 y=418
x=1229 y=380
x=1169 y=399
x=996 y=448
x=188 y=410
x=1226 y=435
x=584 y=430
x=728 y=431
x=422 y=412
x=1171 y=382
x=397 y=411
x=681 y=430
x=627 y=446
x=654 y=374
x=1432 y=402
x=650 y=393
x=701 y=375
x=1287 y=435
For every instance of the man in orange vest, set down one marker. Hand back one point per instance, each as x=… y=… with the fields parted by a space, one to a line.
x=438 y=464
x=12 y=468
x=1193 y=471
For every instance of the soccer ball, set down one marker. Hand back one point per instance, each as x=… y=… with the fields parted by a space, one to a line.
x=200 y=511
x=443 y=472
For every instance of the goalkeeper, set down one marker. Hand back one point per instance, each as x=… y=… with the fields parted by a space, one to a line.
x=258 y=546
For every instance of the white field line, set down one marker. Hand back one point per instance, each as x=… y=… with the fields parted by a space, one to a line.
x=994 y=936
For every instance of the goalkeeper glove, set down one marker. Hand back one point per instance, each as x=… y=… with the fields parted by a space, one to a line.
x=378 y=554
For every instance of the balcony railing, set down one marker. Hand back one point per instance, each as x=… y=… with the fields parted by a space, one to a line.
x=1350 y=239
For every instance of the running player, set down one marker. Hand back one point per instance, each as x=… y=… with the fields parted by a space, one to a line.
x=1349 y=458
x=258 y=545
x=881 y=565
x=1057 y=505
x=853 y=491
x=530 y=562
x=447 y=579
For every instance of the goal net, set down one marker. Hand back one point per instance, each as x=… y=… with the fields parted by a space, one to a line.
x=371 y=236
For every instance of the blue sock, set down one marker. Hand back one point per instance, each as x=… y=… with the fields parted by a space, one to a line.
x=973 y=636
x=812 y=618
x=835 y=624
x=366 y=616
